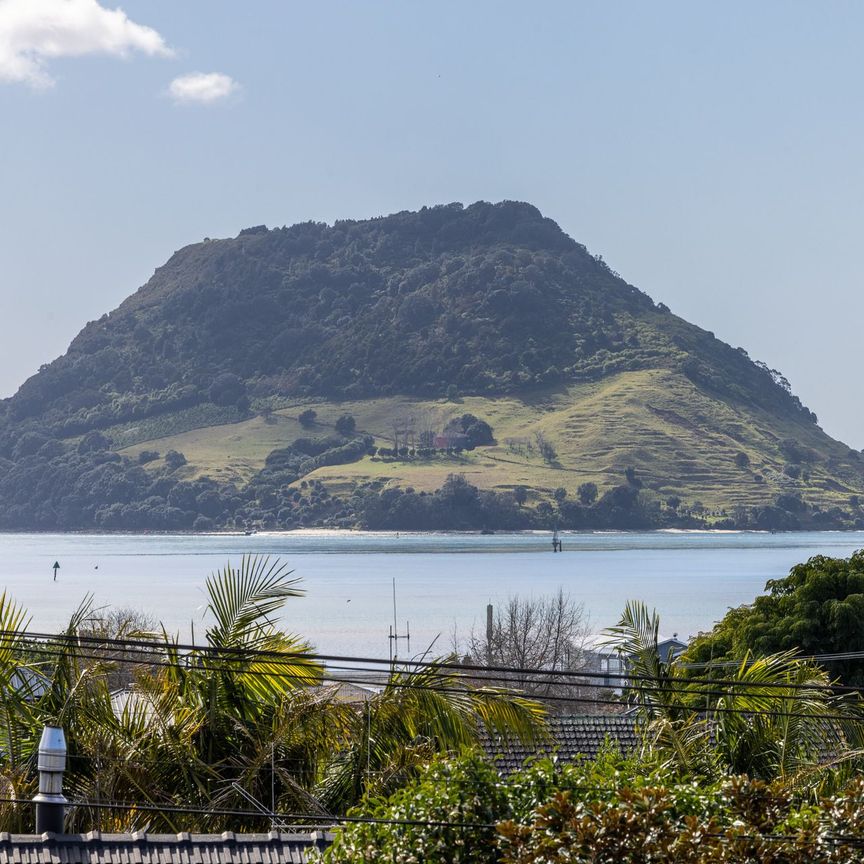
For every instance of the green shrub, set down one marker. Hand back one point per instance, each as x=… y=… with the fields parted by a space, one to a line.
x=613 y=809
x=467 y=791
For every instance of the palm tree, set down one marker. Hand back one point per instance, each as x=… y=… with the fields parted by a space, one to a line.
x=774 y=718
x=213 y=715
x=423 y=710
x=243 y=716
x=16 y=726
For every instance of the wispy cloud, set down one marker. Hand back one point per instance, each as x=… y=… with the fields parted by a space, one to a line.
x=203 y=87
x=32 y=32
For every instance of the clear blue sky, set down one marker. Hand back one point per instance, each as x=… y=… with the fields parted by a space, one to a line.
x=712 y=153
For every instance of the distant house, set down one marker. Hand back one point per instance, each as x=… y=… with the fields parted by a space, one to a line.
x=130 y=700
x=669 y=649
x=31 y=684
x=613 y=667
x=347 y=693
x=452 y=440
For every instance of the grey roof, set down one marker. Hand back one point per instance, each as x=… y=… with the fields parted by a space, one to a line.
x=344 y=691
x=572 y=737
x=142 y=848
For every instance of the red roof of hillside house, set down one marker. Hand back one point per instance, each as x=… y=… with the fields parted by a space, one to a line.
x=451 y=439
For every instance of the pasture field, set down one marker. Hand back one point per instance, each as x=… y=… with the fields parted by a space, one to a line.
x=681 y=441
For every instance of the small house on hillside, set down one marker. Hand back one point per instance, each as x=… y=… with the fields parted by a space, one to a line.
x=452 y=441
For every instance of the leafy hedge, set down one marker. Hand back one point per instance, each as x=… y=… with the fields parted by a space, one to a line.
x=606 y=812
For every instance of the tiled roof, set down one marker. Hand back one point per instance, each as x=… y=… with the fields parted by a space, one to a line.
x=350 y=694
x=571 y=737
x=142 y=848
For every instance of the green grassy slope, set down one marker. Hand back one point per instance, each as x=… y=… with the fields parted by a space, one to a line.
x=682 y=441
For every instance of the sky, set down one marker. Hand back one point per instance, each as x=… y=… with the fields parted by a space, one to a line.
x=712 y=153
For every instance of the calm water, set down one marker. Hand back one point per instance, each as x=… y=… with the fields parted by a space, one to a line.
x=443 y=581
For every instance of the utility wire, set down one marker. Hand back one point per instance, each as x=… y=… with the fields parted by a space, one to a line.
x=486 y=693
x=244 y=653
x=694 y=687
x=480 y=693
x=660 y=686
x=316 y=819
x=319 y=821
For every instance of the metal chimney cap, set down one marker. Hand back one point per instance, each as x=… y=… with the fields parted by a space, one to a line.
x=52 y=750
x=53 y=740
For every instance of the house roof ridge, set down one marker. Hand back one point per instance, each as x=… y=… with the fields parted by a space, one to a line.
x=148 y=837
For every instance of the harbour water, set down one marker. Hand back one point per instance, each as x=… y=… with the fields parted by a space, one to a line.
x=443 y=581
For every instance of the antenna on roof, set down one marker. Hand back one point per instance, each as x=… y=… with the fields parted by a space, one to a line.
x=395 y=636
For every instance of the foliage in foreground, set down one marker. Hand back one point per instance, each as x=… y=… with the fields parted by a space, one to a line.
x=762 y=766
x=614 y=810
x=773 y=717
x=816 y=609
x=207 y=730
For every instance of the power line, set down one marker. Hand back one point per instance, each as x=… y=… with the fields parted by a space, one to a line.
x=270 y=673
x=659 y=686
x=243 y=653
x=692 y=687
x=481 y=693
x=318 y=820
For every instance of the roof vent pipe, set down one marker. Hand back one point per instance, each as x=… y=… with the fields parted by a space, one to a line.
x=50 y=803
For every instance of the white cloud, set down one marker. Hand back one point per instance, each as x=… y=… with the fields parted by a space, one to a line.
x=203 y=87
x=33 y=32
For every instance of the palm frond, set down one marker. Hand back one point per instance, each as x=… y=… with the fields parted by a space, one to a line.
x=242 y=600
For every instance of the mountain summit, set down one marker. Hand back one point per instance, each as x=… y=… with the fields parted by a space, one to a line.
x=491 y=298
x=489 y=307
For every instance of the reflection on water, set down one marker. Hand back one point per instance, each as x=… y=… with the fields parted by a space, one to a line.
x=444 y=581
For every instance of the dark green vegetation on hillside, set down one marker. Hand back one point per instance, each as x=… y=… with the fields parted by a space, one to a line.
x=488 y=302
x=486 y=298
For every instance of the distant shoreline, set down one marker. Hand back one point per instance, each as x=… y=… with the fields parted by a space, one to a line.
x=361 y=532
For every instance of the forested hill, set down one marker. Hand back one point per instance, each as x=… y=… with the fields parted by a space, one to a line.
x=490 y=302
x=489 y=298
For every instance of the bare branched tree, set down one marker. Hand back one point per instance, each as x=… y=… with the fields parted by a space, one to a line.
x=545 y=447
x=402 y=430
x=545 y=633
x=426 y=426
x=113 y=625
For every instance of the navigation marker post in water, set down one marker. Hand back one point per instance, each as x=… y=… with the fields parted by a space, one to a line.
x=56 y=568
